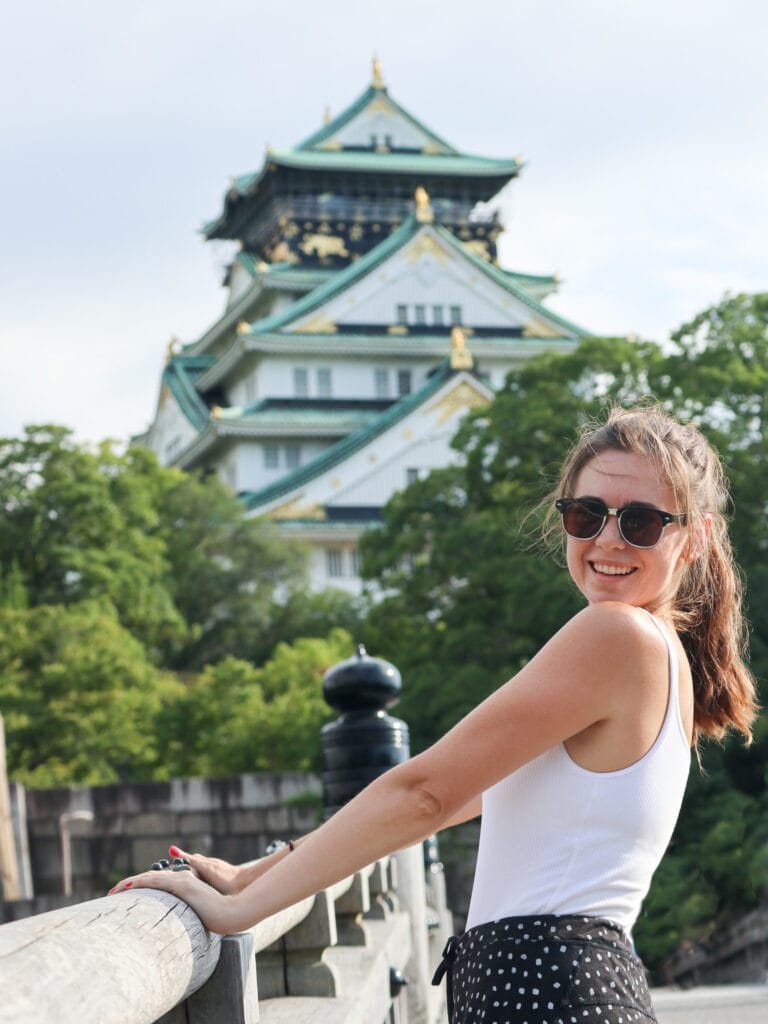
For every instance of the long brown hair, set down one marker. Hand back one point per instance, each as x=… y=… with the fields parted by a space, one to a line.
x=708 y=605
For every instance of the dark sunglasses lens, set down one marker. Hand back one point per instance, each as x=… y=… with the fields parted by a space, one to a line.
x=641 y=526
x=584 y=519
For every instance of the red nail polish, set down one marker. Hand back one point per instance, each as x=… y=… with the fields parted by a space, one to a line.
x=128 y=885
x=174 y=851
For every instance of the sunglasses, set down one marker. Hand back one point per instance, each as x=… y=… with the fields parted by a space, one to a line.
x=639 y=525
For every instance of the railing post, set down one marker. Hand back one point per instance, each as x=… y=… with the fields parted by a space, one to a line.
x=230 y=995
x=294 y=965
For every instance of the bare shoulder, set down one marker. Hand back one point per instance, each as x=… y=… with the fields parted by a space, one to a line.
x=615 y=644
x=613 y=626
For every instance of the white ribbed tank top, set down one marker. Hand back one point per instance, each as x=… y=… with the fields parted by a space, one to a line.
x=556 y=838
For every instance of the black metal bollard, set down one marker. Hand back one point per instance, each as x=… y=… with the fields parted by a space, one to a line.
x=364 y=741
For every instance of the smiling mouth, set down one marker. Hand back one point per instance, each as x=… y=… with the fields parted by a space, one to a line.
x=612 y=570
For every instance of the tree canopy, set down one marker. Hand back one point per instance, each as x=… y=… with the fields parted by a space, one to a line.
x=134 y=601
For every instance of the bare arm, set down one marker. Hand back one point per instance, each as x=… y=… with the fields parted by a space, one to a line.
x=581 y=677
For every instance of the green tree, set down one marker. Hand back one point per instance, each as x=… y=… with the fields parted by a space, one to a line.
x=80 y=524
x=78 y=695
x=234 y=718
x=225 y=572
x=188 y=573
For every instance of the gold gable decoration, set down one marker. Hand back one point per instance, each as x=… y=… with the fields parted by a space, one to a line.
x=463 y=397
x=318 y=324
x=295 y=510
x=537 y=329
x=426 y=245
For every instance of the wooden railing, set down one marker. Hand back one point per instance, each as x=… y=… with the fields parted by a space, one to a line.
x=143 y=957
x=736 y=953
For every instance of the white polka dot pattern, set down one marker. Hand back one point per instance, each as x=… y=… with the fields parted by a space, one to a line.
x=545 y=970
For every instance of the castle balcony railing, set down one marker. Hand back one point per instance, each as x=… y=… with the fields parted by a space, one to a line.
x=337 y=209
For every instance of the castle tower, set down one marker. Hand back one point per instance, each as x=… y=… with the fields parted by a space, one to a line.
x=366 y=313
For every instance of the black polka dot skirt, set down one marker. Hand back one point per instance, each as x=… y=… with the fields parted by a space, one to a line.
x=544 y=970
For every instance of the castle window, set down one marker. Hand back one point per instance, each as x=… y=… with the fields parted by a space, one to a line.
x=292 y=456
x=271 y=456
x=456 y=315
x=334 y=565
x=437 y=316
x=403 y=382
x=300 y=382
x=356 y=561
x=324 y=382
x=411 y=475
x=381 y=382
x=402 y=313
x=420 y=314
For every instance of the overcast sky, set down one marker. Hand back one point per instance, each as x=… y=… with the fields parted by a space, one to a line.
x=644 y=124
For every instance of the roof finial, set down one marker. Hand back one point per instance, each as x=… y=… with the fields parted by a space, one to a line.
x=461 y=357
x=424 y=212
x=327 y=115
x=378 y=75
x=174 y=345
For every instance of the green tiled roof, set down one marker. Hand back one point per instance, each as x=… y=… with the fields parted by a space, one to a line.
x=283 y=274
x=427 y=164
x=349 y=445
x=357 y=107
x=180 y=375
x=264 y=415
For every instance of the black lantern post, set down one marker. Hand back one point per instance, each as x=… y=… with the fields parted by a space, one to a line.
x=364 y=741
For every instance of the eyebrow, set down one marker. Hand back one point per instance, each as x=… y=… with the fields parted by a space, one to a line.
x=627 y=504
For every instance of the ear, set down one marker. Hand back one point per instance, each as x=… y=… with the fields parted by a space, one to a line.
x=697 y=542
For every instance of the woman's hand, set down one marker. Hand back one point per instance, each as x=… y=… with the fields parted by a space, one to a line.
x=215 y=910
x=219 y=874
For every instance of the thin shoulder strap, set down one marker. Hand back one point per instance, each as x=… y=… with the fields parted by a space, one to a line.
x=673 y=701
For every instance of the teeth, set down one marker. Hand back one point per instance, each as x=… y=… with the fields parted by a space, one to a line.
x=612 y=570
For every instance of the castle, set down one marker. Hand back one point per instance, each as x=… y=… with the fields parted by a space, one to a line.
x=366 y=312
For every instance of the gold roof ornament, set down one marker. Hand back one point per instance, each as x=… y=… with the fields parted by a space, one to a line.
x=215 y=412
x=243 y=327
x=461 y=357
x=378 y=75
x=424 y=212
x=172 y=349
x=327 y=115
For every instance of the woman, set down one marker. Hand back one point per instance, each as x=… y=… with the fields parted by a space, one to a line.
x=578 y=763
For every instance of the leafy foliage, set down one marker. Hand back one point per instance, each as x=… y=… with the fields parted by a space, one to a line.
x=235 y=718
x=113 y=571
x=78 y=695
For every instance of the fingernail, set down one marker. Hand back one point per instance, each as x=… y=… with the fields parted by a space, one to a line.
x=174 y=851
x=128 y=885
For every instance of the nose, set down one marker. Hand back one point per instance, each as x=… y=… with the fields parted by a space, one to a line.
x=610 y=536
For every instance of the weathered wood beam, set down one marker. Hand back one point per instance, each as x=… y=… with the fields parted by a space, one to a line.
x=118 y=959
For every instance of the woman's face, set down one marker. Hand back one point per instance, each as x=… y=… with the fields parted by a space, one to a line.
x=606 y=568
